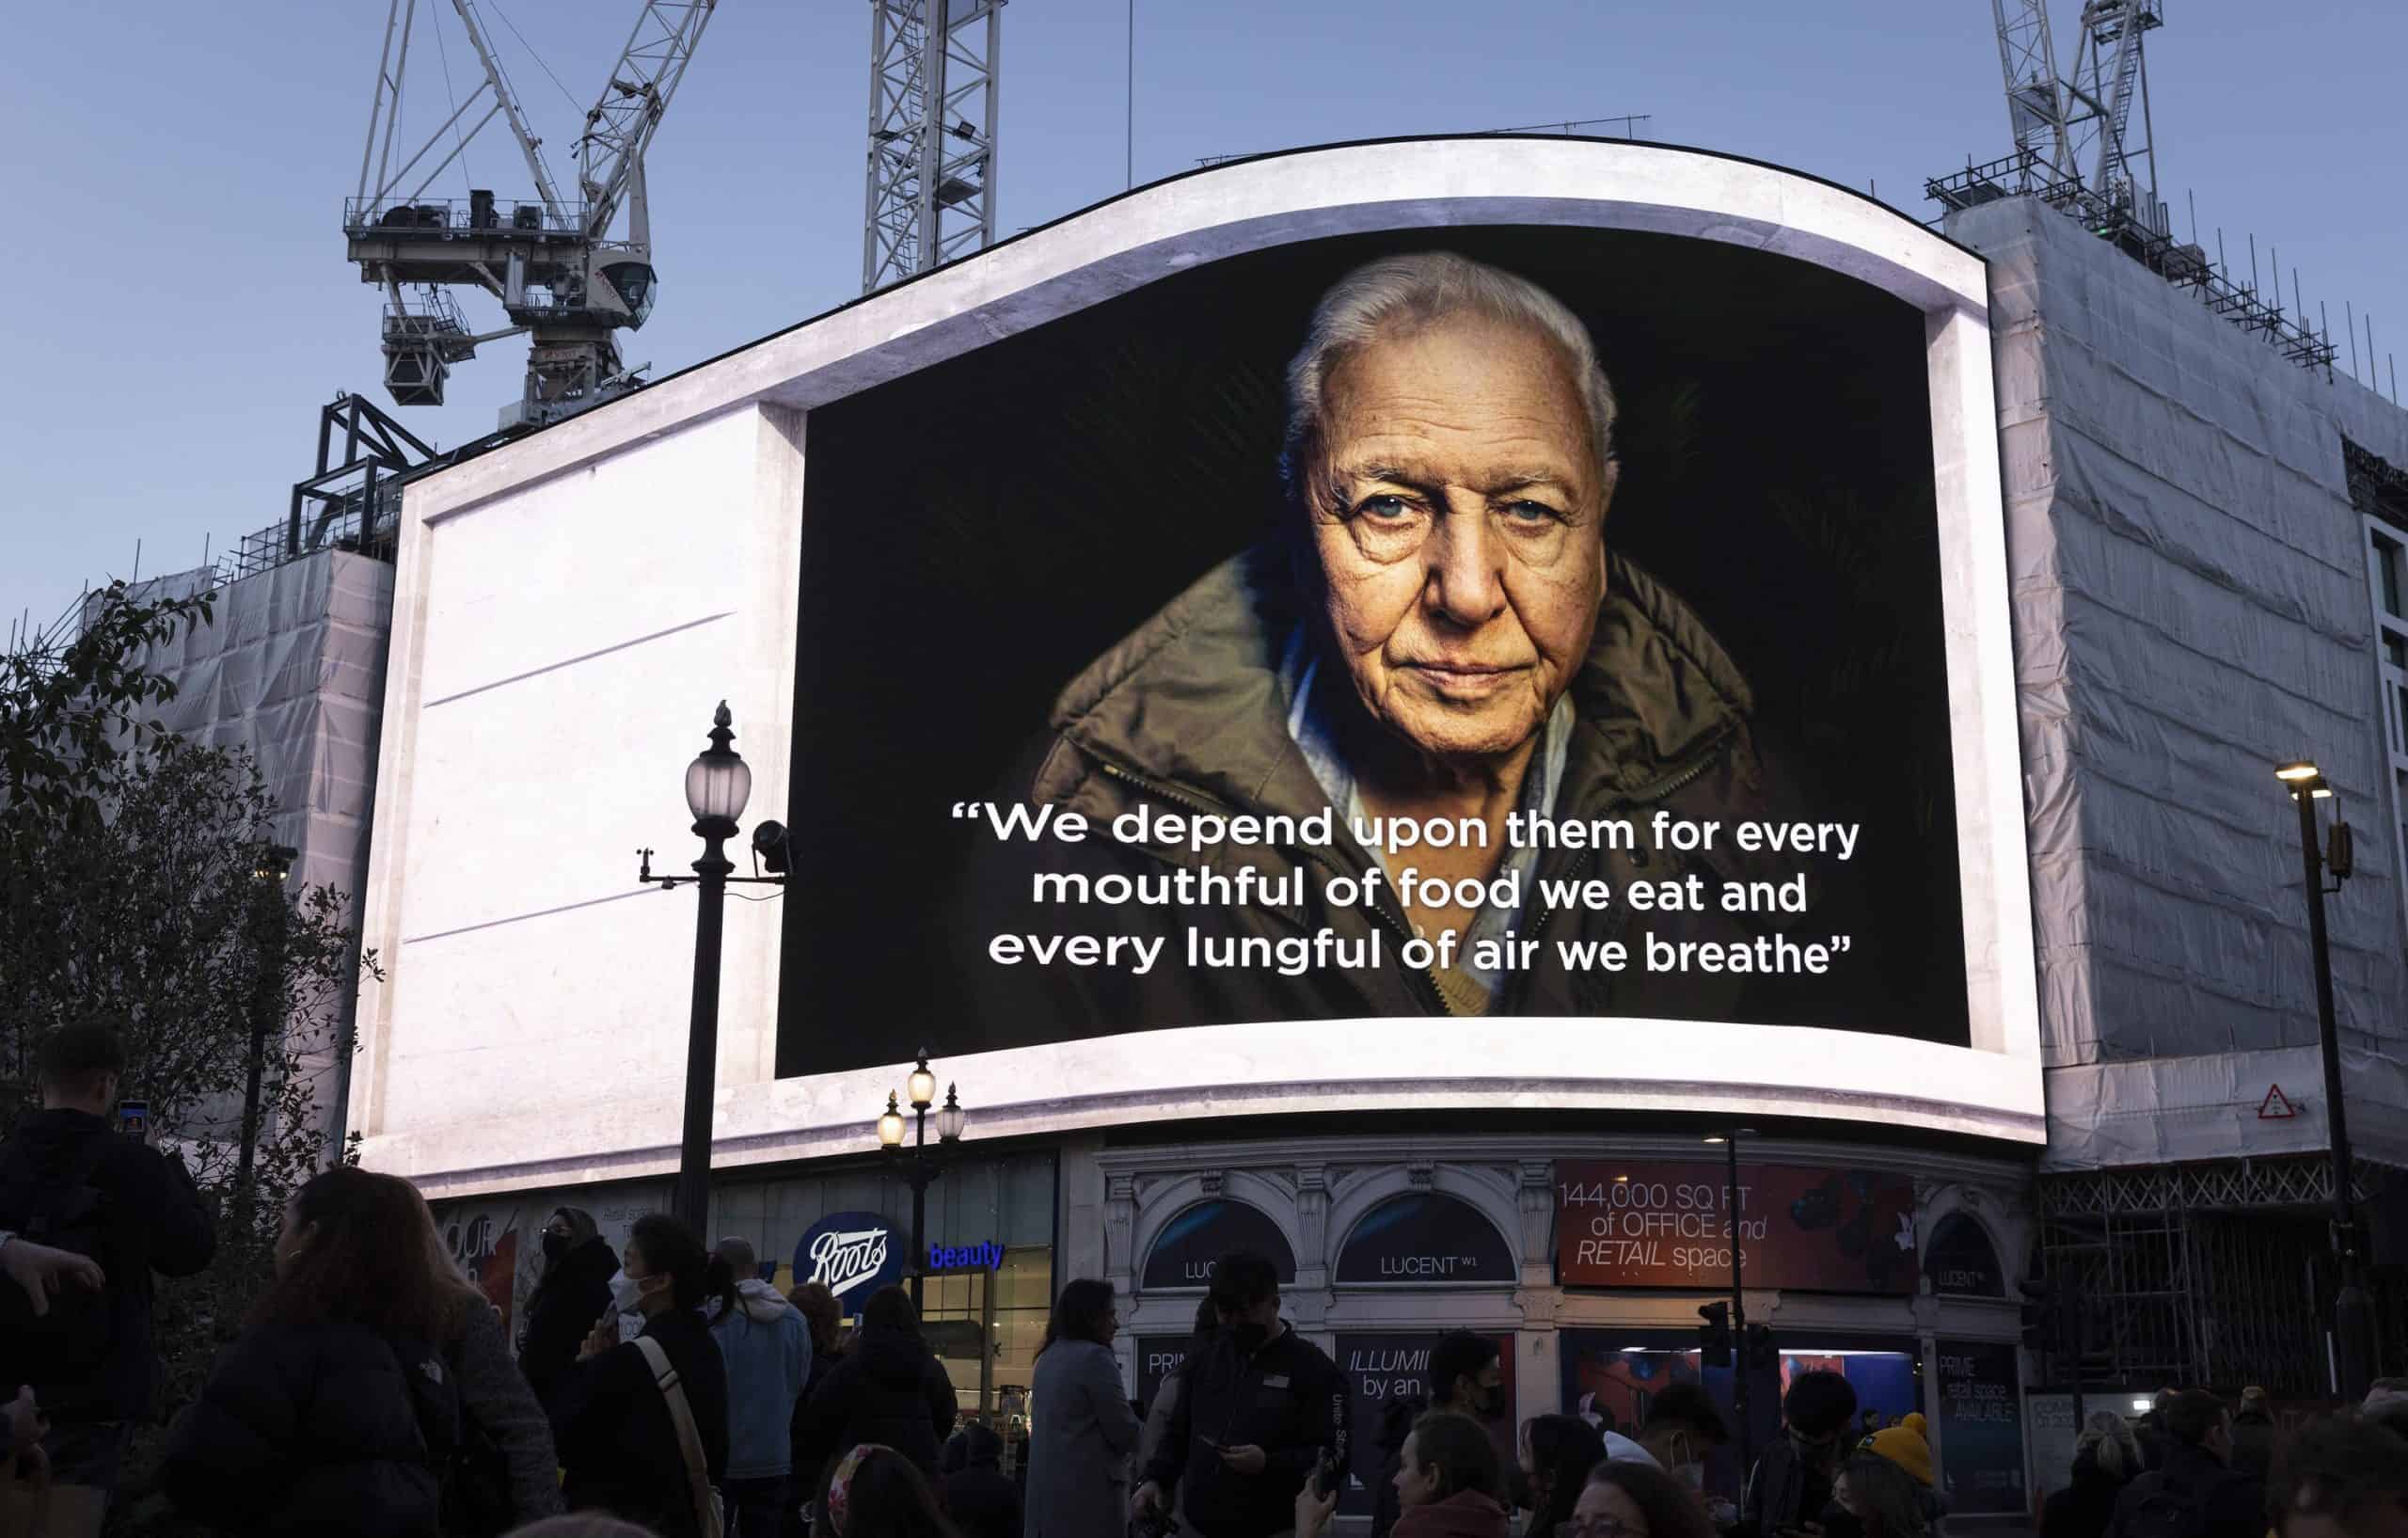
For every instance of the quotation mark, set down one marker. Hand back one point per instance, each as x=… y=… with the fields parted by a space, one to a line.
x=973 y=810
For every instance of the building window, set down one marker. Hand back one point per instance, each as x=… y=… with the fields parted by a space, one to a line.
x=2378 y=491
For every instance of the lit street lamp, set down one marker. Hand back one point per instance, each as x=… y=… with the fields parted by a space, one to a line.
x=717 y=783
x=920 y=1167
x=2352 y=1312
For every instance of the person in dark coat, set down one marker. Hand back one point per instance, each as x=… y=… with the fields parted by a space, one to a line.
x=888 y=1388
x=619 y=1446
x=309 y=1423
x=2253 y=1433
x=147 y=1216
x=982 y=1500
x=572 y=1293
x=2194 y=1483
x=1792 y=1482
x=822 y=1312
x=2106 y=1458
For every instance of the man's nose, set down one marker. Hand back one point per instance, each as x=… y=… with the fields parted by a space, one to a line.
x=1466 y=579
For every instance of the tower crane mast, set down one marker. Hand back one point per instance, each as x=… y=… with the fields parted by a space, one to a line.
x=559 y=275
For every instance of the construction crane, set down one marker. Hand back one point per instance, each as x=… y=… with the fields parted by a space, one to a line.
x=932 y=88
x=561 y=277
x=2078 y=127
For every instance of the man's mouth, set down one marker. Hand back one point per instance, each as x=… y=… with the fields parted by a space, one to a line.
x=1466 y=680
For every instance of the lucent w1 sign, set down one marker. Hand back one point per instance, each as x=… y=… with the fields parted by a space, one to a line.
x=1650 y=1224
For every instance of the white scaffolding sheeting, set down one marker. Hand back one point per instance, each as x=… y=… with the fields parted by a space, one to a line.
x=2192 y=608
x=292 y=667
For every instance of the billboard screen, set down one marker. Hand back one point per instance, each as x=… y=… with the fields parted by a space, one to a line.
x=1651 y=1225
x=1551 y=624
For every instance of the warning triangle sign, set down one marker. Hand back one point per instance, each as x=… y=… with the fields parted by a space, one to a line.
x=2276 y=1107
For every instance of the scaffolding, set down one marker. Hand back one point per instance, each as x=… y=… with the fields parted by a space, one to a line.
x=2218 y=1275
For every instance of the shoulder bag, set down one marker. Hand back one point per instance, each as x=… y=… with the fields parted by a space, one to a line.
x=710 y=1519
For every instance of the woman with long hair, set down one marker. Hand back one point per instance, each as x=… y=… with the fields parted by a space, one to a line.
x=875 y=1492
x=570 y=1295
x=368 y=1360
x=2106 y=1456
x=888 y=1388
x=621 y=1448
x=1558 y=1451
x=1084 y=1430
x=1882 y=1496
x=1626 y=1500
x=825 y=1316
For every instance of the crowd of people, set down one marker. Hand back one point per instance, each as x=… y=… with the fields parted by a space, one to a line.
x=667 y=1389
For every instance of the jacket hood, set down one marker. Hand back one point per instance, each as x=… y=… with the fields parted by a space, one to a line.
x=762 y=1303
x=595 y=1257
x=1193 y=698
x=1466 y=1514
x=1621 y=1449
x=890 y=1358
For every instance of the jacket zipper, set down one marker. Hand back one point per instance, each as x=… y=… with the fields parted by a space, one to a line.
x=1197 y=803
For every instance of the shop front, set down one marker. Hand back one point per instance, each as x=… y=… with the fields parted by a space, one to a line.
x=987 y=1257
x=1589 y=1265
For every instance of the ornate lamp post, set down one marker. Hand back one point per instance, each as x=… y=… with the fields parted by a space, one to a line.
x=717 y=783
x=921 y=1167
x=269 y=874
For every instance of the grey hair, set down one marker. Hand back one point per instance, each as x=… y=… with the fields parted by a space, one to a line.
x=2108 y=1439
x=1414 y=291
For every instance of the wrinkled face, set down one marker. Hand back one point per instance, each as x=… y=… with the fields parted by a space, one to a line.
x=1458 y=511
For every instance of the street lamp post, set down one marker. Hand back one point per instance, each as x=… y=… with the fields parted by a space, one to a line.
x=1739 y=1363
x=717 y=783
x=921 y=1167
x=268 y=876
x=2352 y=1312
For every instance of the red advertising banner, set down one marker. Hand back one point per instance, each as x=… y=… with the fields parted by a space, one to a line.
x=1649 y=1224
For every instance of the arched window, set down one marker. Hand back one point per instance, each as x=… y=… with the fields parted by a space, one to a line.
x=1184 y=1252
x=1425 y=1238
x=1960 y=1259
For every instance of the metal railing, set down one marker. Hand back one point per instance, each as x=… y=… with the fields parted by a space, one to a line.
x=461 y=216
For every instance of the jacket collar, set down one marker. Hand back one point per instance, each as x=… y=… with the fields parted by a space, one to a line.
x=1191 y=701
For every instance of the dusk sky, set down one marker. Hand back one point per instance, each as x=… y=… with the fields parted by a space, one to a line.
x=180 y=307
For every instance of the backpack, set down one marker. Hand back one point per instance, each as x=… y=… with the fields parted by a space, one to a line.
x=65 y=1210
x=471 y=1471
x=2157 y=1507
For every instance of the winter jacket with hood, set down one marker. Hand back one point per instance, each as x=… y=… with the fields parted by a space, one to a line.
x=1466 y=1514
x=304 y=1431
x=2233 y=1503
x=1190 y=714
x=765 y=1343
x=889 y=1388
x=1284 y=1397
x=573 y=1292
x=619 y=1448
x=157 y=1222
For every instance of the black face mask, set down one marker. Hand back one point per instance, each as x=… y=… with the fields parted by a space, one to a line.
x=555 y=1245
x=1249 y=1336
x=1491 y=1401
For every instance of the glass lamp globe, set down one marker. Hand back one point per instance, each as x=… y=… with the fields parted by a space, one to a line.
x=923 y=1085
x=889 y=1126
x=952 y=1119
x=719 y=782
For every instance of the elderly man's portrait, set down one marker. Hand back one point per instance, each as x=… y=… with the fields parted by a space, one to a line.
x=1502 y=528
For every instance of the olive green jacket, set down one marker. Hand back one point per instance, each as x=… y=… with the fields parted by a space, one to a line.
x=1188 y=712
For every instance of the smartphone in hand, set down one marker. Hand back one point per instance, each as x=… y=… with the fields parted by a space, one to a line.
x=1326 y=1474
x=134 y=1118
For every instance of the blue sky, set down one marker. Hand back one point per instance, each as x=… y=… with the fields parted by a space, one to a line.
x=178 y=305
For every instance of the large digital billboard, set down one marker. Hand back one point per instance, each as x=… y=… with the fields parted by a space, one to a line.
x=1504 y=643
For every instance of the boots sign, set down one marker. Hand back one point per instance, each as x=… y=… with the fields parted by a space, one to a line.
x=1833 y=1230
x=852 y=1255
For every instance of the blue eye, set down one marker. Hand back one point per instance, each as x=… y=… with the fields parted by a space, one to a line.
x=1529 y=511
x=1384 y=506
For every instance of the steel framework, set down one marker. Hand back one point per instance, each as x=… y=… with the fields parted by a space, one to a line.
x=2205 y=1274
x=2078 y=126
x=932 y=115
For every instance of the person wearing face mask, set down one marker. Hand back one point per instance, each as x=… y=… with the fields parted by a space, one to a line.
x=1467 y=1378
x=1683 y=1427
x=1557 y=1452
x=621 y=1447
x=1258 y=1410
x=1791 y=1484
x=574 y=1288
x=352 y=1380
